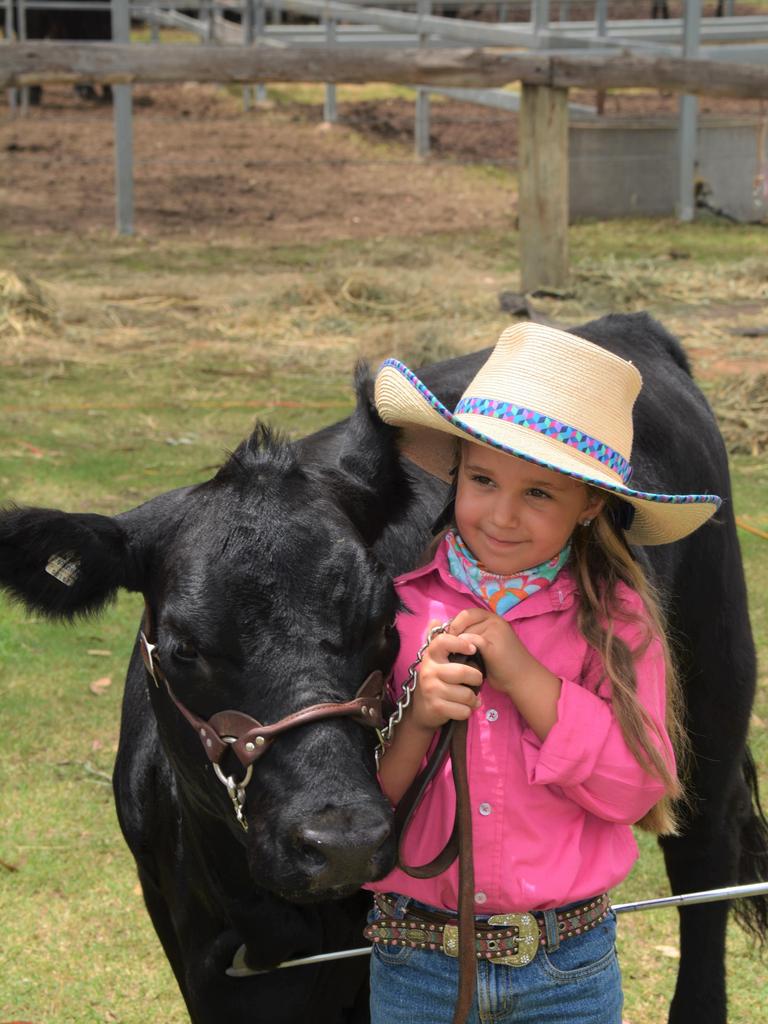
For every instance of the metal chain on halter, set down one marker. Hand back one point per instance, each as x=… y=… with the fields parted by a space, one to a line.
x=236 y=791
x=385 y=735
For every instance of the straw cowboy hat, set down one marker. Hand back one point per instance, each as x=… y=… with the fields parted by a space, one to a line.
x=551 y=398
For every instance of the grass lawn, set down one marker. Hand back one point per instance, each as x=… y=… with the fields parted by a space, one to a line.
x=138 y=365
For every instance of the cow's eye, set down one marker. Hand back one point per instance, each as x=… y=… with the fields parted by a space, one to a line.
x=185 y=651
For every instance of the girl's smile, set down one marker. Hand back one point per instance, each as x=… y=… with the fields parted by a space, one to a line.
x=514 y=515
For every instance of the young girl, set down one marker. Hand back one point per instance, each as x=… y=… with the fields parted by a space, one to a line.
x=572 y=737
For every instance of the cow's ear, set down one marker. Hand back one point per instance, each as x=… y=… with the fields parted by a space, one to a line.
x=370 y=482
x=64 y=564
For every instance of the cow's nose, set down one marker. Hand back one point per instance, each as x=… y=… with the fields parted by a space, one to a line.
x=342 y=856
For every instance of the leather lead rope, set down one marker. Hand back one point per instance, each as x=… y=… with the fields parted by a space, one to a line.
x=453 y=741
x=467 y=964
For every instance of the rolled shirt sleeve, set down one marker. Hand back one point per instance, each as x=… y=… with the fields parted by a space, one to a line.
x=585 y=754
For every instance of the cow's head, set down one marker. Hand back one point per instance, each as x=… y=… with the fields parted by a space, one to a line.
x=266 y=597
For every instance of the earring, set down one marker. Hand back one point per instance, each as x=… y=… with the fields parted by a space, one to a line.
x=586 y=522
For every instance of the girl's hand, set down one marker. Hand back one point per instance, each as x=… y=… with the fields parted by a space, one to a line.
x=443 y=691
x=510 y=667
x=504 y=654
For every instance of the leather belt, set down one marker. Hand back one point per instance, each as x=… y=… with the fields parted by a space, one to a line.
x=511 y=939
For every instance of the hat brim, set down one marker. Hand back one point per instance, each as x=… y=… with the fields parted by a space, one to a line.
x=429 y=431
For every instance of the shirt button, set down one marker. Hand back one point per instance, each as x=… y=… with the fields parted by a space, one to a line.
x=491 y=714
x=480 y=897
x=485 y=809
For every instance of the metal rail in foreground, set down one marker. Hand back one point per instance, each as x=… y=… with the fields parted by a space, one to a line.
x=239 y=969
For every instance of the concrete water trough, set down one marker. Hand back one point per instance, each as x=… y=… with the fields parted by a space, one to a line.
x=628 y=167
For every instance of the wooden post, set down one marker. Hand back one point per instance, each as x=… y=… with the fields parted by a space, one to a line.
x=543 y=187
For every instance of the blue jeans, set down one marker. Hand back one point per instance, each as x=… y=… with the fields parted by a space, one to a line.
x=577 y=983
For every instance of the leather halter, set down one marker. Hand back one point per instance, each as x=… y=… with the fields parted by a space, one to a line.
x=248 y=738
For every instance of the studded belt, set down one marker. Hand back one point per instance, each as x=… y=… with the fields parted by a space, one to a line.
x=511 y=939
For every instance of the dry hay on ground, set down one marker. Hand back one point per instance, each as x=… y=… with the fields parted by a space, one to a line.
x=324 y=317
x=23 y=303
x=741 y=406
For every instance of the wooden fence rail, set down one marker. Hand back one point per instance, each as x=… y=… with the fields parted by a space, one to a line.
x=41 y=63
x=545 y=77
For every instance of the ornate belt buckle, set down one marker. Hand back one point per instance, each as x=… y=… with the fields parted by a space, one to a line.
x=451 y=940
x=526 y=941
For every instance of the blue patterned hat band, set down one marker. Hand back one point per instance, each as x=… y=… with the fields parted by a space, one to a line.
x=550 y=427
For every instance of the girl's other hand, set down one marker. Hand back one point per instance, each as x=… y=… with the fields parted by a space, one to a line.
x=444 y=690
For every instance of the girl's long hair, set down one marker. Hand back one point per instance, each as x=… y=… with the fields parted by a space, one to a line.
x=602 y=559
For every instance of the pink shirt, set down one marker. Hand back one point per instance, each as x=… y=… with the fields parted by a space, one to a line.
x=550 y=820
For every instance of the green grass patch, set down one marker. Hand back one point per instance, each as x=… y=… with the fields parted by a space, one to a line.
x=705 y=241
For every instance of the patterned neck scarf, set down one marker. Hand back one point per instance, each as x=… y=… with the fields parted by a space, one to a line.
x=500 y=593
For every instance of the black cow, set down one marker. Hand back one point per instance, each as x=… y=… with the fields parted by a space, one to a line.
x=64 y=23
x=269 y=589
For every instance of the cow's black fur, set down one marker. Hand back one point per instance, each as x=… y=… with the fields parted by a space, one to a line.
x=271 y=589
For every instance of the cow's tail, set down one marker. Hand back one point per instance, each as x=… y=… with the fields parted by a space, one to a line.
x=752 y=913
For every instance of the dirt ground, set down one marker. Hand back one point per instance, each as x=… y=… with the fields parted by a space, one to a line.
x=205 y=167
